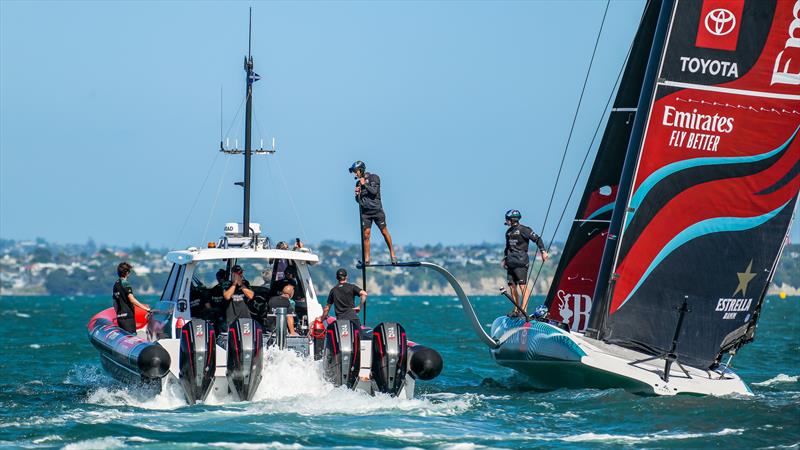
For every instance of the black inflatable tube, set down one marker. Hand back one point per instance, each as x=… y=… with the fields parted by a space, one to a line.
x=426 y=363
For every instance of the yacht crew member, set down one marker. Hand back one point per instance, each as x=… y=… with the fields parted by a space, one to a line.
x=298 y=297
x=236 y=292
x=281 y=301
x=124 y=300
x=516 y=259
x=342 y=297
x=368 y=196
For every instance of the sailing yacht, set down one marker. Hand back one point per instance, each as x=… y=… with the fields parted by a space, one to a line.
x=685 y=212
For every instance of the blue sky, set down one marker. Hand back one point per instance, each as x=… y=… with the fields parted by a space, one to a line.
x=110 y=114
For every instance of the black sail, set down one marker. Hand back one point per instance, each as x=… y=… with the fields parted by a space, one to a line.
x=570 y=296
x=715 y=183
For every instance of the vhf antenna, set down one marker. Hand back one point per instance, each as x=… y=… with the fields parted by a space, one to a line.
x=248 y=151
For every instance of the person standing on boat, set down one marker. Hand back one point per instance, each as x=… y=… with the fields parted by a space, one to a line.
x=342 y=297
x=236 y=292
x=125 y=303
x=516 y=259
x=368 y=197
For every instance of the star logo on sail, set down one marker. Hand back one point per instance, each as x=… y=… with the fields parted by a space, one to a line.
x=744 y=279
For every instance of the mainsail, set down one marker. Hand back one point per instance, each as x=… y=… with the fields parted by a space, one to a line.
x=716 y=180
x=570 y=296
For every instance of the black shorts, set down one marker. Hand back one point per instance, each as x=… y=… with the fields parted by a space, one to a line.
x=373 y=216
x=518 y=275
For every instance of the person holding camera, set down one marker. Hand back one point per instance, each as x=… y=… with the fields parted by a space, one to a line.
x=236 y=292
x=368 y=196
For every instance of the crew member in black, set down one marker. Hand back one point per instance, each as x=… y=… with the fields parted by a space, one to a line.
x=124 y=300
x=342 y=297
x=368 y=196
x=516 y=259
x=280 y=301
x=299 y=298
x=236 y=292
x=218 y=302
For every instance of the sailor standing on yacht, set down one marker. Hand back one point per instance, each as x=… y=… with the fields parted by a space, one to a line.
x=236 y=292
x=124 y=300
x=516 y=259
x=368 y=197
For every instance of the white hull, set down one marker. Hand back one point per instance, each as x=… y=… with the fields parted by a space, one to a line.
x=553 y=358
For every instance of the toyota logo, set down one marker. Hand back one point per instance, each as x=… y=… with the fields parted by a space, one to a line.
x=720 y=22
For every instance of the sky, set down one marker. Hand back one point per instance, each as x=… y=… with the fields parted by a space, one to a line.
x=110 y=115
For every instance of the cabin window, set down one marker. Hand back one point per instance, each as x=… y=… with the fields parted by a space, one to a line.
x=170 y=286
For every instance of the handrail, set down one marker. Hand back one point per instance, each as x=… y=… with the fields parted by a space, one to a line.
x=469 y=311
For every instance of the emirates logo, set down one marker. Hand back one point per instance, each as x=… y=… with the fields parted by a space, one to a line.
x=720 y=22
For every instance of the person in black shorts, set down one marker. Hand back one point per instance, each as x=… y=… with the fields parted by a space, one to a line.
x=237 y=292
x=342 y=297
x=124 y=300
x=368 y=197
x=516 y=259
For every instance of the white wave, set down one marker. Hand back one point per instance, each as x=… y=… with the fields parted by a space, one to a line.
x=292 y=384
x=781 y=378
x=48 y=438
x=99 y=443
x=400 y=433
x=249 y=446
x=35 y=346
x=23 y=315
x=463 y=446
x=661 y=436
x=169 y=398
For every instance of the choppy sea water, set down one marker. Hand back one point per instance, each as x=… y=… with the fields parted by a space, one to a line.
x=54 y=394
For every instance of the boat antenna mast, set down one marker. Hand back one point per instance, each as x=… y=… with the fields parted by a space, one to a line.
x=248 y=151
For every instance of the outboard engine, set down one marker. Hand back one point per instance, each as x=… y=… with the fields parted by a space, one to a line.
x=244 y=358
x=198 y=359
x=425 y=363
x=389 y=357
x=342 y=357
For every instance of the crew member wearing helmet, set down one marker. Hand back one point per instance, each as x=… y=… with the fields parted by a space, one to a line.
x=516 y=258
x=368 y=196
x=342 y=297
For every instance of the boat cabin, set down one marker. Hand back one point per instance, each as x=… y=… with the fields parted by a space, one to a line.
x=194 y=283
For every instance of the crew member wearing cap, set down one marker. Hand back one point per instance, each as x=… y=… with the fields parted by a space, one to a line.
x=368 y=196
x=124 y=300
x=516 y=259
x=236 y=292
x=342 y=297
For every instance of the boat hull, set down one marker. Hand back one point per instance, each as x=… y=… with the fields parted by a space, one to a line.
x=552 y=358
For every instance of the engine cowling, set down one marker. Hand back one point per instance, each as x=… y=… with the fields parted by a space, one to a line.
x=342 y=355
x=389 y=357
x=198 y=359
x=244 y=358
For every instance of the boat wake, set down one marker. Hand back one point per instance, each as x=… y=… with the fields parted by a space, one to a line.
x=781 y=378
x=290 y=385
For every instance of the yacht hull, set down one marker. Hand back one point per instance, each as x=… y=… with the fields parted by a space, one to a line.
x=553 y=358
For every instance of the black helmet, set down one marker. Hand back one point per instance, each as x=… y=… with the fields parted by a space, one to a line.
x=341 y=274
x=513 y=215
x=358 y=165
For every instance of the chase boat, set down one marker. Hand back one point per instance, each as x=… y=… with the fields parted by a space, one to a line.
x=203 y=354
